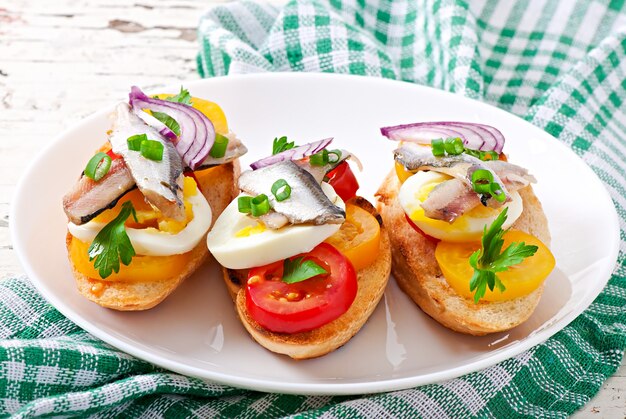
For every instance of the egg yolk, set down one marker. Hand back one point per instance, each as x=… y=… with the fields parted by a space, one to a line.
x=250 y=230
x=461 y=224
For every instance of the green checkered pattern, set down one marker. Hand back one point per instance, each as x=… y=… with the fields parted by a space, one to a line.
x=559 y=64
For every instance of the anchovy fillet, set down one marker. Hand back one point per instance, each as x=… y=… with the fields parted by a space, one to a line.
x=307 y=203
x=159 y=181
x=461 y=167
x=452 y=198
x=88 y=198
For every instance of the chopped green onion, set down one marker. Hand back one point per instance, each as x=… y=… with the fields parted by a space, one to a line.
x=453 y=146
x=336 y=153
x=438 y=148
x=319 y=159
x=98 y=166
x=134 y=141
x=481 y=177
x=244 y=204
x=281 y=190
x=323 y=157
x=259 y=205
x=482 y=188
x=497 y=192
x=152 y=150
x=219 y=146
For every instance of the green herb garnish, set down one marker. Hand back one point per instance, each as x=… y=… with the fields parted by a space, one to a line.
x=298 y=269
x=454 y=146
x=490 y=259
x=325 y=157
x=112 y=244
x=281 y=190
x=218 y=150
x=182 y=97
x=168 y=121
x=259 y=205
x=152 y=150
x=281 y=144
x=98 y=166
x=134 y=141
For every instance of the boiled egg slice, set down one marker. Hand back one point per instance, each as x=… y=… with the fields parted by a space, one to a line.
x=468 y=227
x=153 y=242
x=238 y=241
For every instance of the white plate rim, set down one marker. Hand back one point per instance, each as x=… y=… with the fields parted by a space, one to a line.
x=310 y=388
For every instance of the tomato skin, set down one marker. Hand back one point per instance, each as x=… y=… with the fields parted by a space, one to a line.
x=306 y=305
x=420 y=231
x=344 y=182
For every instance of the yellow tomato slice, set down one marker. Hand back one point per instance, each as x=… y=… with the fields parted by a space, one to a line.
x=358 y=238
x=519 y=280
x=211 y=109
x=402 y=173
x=141 y=268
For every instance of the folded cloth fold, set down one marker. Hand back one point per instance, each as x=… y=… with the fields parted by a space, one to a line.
x=560 y=65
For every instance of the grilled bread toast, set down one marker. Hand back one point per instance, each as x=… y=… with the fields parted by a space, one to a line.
x=418 y=275
x=372 y=281
x=218 y=185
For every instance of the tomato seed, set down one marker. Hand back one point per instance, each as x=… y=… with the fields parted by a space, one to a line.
x=253 y=280
x=292 y=296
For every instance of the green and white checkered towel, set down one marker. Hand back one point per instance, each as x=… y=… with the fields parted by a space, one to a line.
x=559 y=64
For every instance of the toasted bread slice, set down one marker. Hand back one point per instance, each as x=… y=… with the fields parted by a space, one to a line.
x=418 y=275
x=371 y=286
x=218 y=185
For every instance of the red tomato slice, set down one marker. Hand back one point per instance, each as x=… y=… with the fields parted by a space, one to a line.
x=113 y=155
x=305 y=305
x=343 y=181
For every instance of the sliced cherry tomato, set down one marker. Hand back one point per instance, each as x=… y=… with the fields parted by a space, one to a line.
x=113 y=155
x=305 y=305
x=358 y=238
x=141 y=268
x=343 y=181
x=402 y=173
x=519 y=280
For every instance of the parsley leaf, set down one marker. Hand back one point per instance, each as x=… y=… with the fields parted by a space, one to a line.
x=490 y=259
x=182 y=97
x=280 y=144
x=168 y=121
x=112 y=244
x=298 y=269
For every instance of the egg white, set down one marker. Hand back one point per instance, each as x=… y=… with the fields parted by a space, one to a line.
x=152 y=242
x=468 y=227
x=266 y=246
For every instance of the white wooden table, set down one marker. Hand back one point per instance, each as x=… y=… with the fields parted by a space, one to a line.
x=61 y=60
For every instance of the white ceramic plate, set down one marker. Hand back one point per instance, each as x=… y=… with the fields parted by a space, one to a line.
x=196 y=332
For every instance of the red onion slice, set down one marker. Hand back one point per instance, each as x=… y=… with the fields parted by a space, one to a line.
x=296 y=153
x=475 y=136
x=197 y=134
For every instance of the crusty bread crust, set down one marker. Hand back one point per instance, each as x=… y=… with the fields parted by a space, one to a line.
x=417 y=272
x=372 y=282
x=218 y=185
